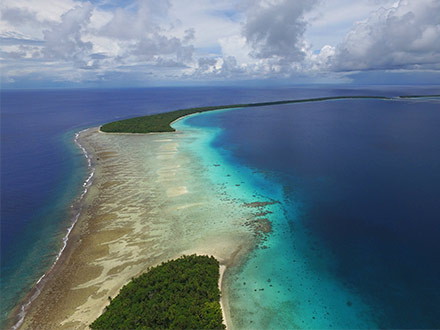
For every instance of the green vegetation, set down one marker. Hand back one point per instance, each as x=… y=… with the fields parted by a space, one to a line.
x=178 y=294
x=161 y=122
x=417 y=96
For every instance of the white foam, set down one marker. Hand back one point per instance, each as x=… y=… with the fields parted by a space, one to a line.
x=40 y=283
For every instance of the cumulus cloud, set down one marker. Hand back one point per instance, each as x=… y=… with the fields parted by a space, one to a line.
x=270 y=42
x=275 y=29
x=136 y=22
x=80 y=40
x=152 y=45
x=402 y=37
x=64 y=40
x=18 y=16
x=80 y=35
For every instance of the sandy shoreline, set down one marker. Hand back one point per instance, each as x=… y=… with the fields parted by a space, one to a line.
x=139 y=212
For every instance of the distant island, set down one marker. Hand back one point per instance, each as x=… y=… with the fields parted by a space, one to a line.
x=161 y=122
x=178 y=294
x=417 y=96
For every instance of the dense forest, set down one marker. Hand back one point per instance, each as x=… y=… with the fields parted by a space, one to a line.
x=178 y=294
x=161 y=122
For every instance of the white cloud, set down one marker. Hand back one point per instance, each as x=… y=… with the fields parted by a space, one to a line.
x=237 y=47
x=331 y=20
x=63 y=40
x=404 y=36
x=80 y=36
x=320 y=61
x=211 y=20
x=269 y=43
x=134 y=23
x=77 y=40
x=275 y=28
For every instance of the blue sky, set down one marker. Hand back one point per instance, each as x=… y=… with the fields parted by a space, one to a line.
x=105 y=43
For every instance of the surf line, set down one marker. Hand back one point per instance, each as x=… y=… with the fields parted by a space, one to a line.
x=39 y=285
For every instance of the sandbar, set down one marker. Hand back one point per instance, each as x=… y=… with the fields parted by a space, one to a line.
x=150 y=201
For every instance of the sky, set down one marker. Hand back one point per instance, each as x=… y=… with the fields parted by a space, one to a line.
x=107 y=43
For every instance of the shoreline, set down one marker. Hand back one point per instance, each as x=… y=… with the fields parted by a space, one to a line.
x=18 y=314
x=226 y=321
x=161 y=122
x=158 y=133
x=77 y=287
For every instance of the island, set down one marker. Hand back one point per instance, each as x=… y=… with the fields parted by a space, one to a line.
x=161 y=122
x=178 y=294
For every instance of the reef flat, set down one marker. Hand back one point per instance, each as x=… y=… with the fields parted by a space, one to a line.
x=151 y=201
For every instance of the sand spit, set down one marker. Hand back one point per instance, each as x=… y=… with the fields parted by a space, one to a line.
x=150 y=202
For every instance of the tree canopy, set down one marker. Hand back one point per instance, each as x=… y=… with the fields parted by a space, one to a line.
x=178 y=294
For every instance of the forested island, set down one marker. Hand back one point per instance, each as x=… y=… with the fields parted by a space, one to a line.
x=178 y=294
x=161 y=122
x=418 y=96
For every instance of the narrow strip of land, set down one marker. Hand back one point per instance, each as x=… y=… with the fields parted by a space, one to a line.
x=417 y=96
x=161 y=122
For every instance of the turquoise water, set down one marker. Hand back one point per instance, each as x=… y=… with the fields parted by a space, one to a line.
x=355 y=234
x=262 y=292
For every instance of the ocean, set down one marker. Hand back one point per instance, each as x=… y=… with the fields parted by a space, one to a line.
x=354 y=238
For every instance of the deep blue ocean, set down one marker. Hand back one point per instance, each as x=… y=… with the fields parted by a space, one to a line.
x=365 y=172
x=360 y=182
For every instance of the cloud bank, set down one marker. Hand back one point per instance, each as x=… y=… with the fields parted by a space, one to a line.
x=406 y=36
x=144 y=42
